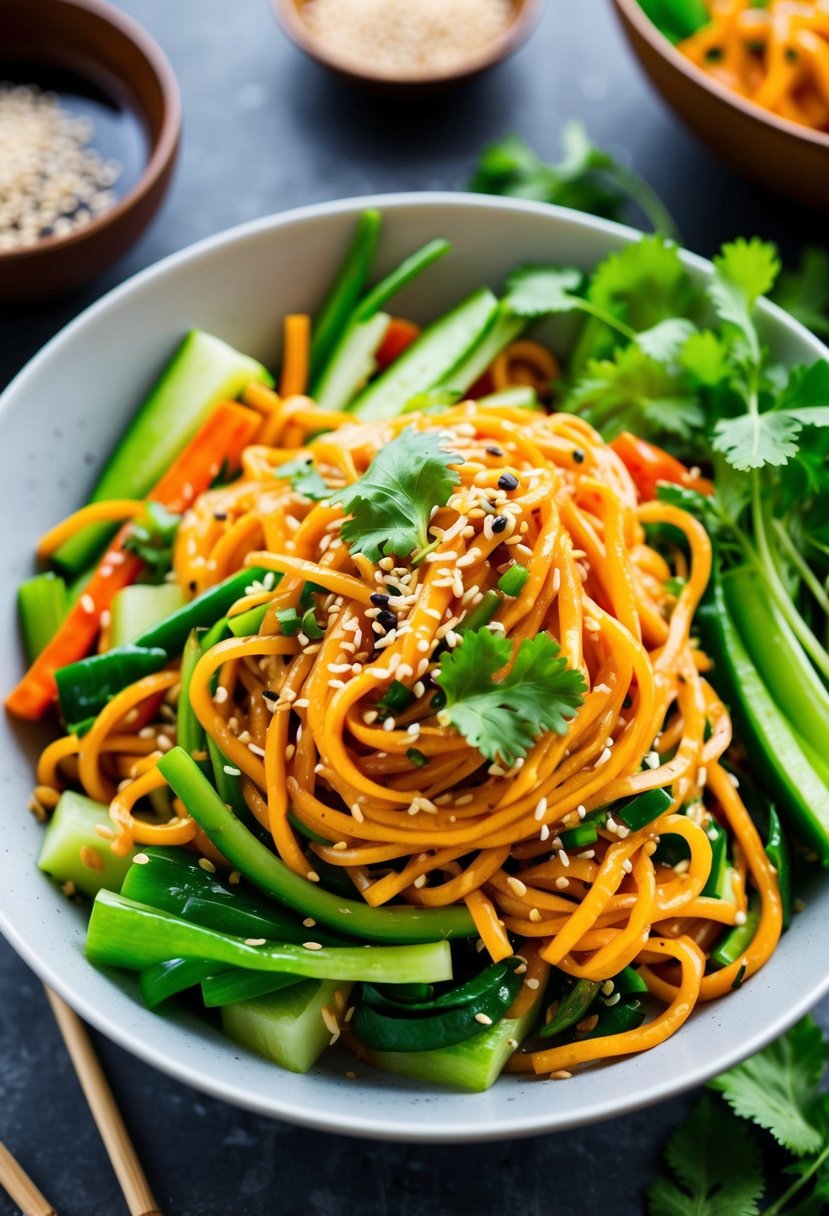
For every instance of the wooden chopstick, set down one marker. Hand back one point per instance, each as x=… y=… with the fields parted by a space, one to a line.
x=20 y=1188
x=104 y=1110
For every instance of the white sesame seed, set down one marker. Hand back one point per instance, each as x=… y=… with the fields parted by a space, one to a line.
x=231 y=770
x=140 y=859
x=207 y=865
x=255 y=941
x=517 y=886
x=312 y=945
x=532 y=983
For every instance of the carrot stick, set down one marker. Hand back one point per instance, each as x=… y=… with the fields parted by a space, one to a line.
x=296 y=355
x=649 y=464
x=399 y=337
x=225 y=434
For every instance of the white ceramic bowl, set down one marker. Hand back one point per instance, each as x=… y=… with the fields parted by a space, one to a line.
x=57 y=422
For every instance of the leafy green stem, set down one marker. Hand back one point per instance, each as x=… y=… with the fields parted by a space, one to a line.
x=646 y=199
x=801 y=566
x=768 y=568
x=779 y=1204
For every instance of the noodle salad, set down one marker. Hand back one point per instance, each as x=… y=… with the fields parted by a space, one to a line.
x=390 y=711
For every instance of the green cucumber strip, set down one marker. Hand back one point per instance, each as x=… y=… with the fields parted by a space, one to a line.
x=228 y=784
x=572 y=1007
x=71 y=829
x=616 y=1019
x=799 y=790
x=387 y=1030
x=513 y=581
x=174 y=882
x=345 y=291
x=175 y=975
x=234 y=985
x=643 y=809
x=483 y=612
x=286 y=1027
x=352 y=363
x=202 y=372
x=123 y=933
x=473 y=990
x=85 y=687
x=430 y=359
x=408 y=269
x=629 y=981
x=189 y=731
x=267 y=872
x=738 y=939
x=42 y=603
x=518 y=397
x=138 y=608
x=784 y=668
x=716 y=883
x=247 y=624
x=777 y=851
x=579 y=837
x=491 y=341
x=473 y=1065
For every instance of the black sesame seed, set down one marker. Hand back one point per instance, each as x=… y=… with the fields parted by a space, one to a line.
x=221 y=516
x=499 y=523
x=578 y=456
x=378 y=599
x=508 y=481
x=269 y=695
x=192 y=585
x=387 y=620
x=493 y=451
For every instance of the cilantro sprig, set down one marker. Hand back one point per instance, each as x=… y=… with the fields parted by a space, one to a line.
x=587 y=178
x=152 y=538
x=503 y=717
x=715 y=1166
x=304 y=478
x=389 y=506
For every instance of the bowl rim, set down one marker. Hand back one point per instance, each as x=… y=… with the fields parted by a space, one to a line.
x=633 y=12
x=413 y=1129
x=527 y=13
x=163 y=148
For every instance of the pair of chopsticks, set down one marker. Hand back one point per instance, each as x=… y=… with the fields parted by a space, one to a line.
x=119 y=1147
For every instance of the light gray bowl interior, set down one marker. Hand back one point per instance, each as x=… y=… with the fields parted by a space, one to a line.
x=58 y=420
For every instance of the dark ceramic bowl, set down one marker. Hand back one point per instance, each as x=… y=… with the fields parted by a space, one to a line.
x=783 y=156
x=96 y=43
x=527 y=12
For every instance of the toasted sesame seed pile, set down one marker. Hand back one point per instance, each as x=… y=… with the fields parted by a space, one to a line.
x=400 y=37
x=51 y=181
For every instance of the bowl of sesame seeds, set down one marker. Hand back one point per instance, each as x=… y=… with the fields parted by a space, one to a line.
x=90 y=119
x=401 y=46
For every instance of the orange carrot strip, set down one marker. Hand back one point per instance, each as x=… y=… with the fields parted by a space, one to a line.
x=222 y=438
x=296 y=354
x=399 y=337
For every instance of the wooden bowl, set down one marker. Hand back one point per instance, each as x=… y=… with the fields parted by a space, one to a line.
x=97 y=43
x=785 y=157
x=289 y=15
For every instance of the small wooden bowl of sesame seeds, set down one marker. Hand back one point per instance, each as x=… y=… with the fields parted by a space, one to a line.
x=403 y=46
x=67 y=210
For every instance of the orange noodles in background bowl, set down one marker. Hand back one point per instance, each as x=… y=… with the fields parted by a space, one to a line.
x=776 y=55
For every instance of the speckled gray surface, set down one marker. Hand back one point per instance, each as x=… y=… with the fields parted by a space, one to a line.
x=265 y=130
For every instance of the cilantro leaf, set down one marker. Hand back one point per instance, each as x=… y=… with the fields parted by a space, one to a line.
x=777 y=1088
x=743 y=272
x=754 y=440
x=805 y=292
x=705 y=358
x=643 y=283
x=304 y=478
x=716 y=1165
x=535 y=291
x=806 y=387
x=391 y=503
x=503 y=718
x=634 y=392
x=152 y=537
x=586 y=179
x=665 y=340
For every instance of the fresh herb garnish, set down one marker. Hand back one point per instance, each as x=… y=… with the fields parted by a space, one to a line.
x=503 y=718
x=152 y=537
x=391 y=503
x=804 y=292
x=586 y=178
x=304 y=478
x=715 y=1166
